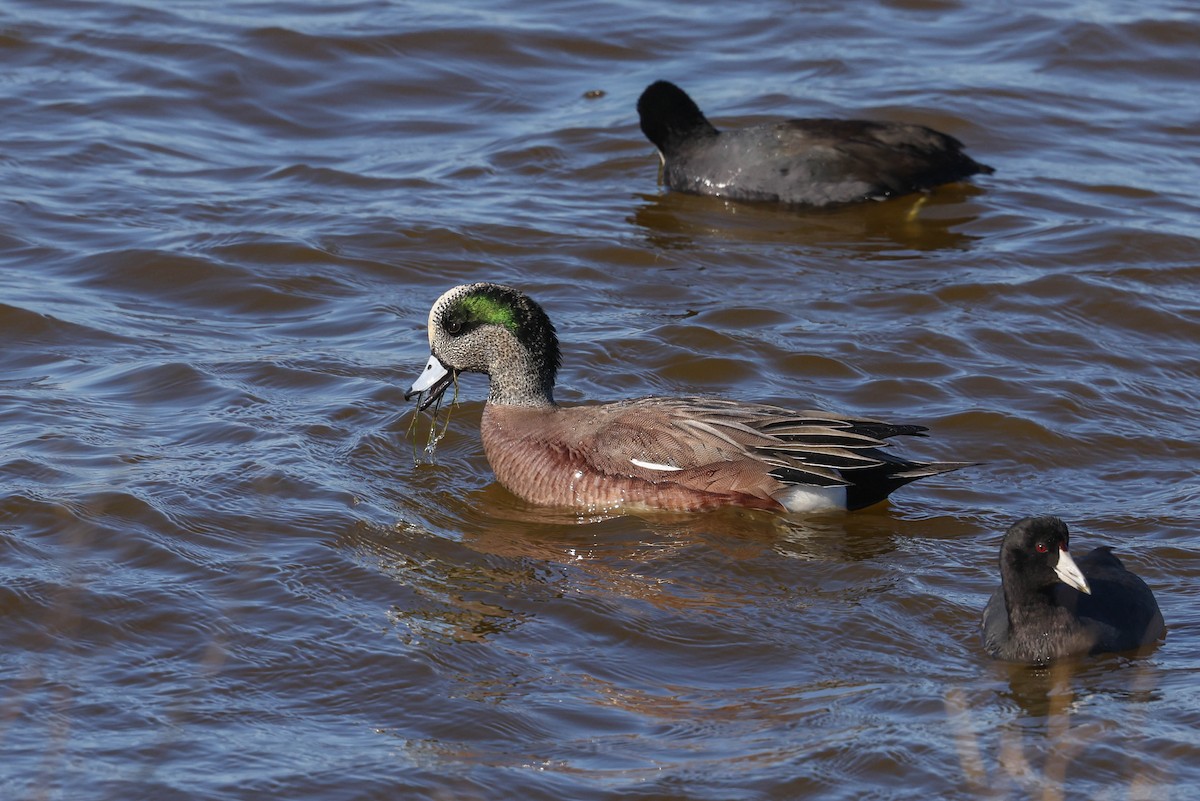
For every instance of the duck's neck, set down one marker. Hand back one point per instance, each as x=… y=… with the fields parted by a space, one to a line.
x=531 y=385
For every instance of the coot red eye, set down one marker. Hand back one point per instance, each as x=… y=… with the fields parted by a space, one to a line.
x=1042 y=547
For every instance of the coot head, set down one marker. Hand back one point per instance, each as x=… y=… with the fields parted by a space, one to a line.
x=670 y=118
x=1035 y=555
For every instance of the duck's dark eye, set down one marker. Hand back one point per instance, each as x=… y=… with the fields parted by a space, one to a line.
x=1042 y=547
x=453 y=326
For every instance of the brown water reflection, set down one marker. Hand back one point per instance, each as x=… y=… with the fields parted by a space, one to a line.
x=1050 y=698
x=938 y=220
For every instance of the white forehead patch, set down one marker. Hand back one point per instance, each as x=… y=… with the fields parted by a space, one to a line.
x=429 y=325
x=436 y=309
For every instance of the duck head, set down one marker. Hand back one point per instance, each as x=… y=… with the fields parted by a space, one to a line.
x=492 y=329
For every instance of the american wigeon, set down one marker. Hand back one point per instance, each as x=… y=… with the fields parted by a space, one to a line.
x=1049 y=605
x=665 y=453
x=809 y=162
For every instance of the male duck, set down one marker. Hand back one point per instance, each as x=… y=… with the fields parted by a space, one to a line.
x=1049 y=605
x=664 y=453
x=811 y=162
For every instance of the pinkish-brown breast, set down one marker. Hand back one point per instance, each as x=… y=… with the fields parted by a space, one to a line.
x=547 y=457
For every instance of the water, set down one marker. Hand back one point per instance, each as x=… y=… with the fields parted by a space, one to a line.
x=224 y=574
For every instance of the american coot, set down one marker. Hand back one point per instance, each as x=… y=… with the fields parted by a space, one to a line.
x=1050 y=605
x=664 y=453
x=815 y=162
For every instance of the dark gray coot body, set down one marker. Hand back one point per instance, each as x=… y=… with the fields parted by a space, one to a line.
x=1036 y=617
x=812 y=162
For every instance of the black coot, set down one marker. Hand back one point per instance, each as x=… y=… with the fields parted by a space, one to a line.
x=798 y=162
x=1050 y=605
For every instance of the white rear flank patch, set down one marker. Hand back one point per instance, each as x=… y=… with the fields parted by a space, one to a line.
x=812 y=499
x=666 y=468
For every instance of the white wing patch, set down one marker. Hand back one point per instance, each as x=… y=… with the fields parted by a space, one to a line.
x=666 y=468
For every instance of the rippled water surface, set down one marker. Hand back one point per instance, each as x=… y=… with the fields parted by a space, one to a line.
x=224 y=574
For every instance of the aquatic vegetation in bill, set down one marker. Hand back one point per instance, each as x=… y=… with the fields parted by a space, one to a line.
x=436 y=432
